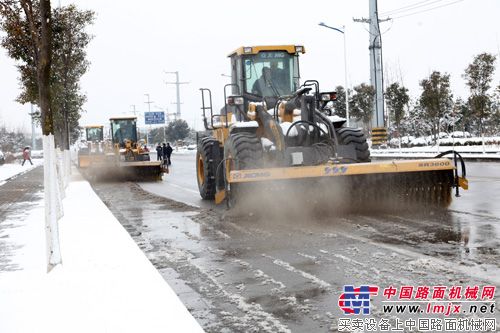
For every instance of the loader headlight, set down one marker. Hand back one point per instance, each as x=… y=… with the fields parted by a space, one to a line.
x=328 y=96
x=247 y=49
x=235 y=100
x=299 y=49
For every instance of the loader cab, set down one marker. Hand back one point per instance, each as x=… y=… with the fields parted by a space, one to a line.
x=94 y=133
x=265 y=72
x=124 y=131
x=258 y=73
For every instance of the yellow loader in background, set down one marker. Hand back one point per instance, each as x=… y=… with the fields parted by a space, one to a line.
x=124 y=157
x=93 y=149
x=131 y=158
x=275 y=133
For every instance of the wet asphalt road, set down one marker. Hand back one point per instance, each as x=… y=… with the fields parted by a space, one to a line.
x=254 y=273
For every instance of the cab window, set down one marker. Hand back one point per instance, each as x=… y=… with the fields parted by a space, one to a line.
x=270 y=73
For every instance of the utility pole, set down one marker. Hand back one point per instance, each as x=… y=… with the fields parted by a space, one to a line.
x=342 y=31
x=33 y=141
x=165 y=112
x=133 y=109
x=379 y=131
x=149 y=110
x=178 y=92
x=135 y=112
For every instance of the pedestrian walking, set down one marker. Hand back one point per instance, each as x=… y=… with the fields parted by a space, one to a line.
x=167 y=152
x=159 y=152
x=26 y=155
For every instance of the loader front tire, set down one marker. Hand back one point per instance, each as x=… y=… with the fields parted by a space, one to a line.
x=242 y=151
x=208 y=157
x=355 y=137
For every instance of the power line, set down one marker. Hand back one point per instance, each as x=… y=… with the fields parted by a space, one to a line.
x=426 y=10
x=411 y=7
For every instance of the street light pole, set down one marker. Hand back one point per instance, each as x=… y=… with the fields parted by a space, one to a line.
x=149 y=110
x=33 y=142
x=342 y=31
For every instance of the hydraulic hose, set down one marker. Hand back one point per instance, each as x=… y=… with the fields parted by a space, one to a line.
x=456 y=157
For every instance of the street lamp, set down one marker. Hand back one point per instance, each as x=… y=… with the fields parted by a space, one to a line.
x=148 y=134
x=33 y=114
x=342 y=31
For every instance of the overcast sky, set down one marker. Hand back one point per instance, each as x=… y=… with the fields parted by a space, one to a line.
x=135 y=42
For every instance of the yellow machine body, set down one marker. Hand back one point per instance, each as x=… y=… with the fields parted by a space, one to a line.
x=93 y=151
x=304 y=141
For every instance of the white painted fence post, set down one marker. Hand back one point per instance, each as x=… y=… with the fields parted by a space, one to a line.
x=53 y=208
x=67 y=160
x=60 y=177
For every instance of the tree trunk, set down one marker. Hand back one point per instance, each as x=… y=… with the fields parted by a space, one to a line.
x=58 y=138
x=43 y=68
x=435 y=129
x=65 y=131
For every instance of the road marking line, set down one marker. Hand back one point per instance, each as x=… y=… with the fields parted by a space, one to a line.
x=290 y=268
x=184 y=188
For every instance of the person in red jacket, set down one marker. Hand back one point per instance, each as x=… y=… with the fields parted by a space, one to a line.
x=26 y=155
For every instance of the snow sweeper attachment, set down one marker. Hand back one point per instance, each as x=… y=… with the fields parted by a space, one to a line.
x=286 y=147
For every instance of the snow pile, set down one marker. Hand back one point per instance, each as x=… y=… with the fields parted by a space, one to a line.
x=105 y=283
x=467 y=147
x=424 y=265
x=10 y=170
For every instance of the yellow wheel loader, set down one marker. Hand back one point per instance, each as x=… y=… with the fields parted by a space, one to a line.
x=275 y=133
x=124 y=157
x=92 y=150
x=132 y=159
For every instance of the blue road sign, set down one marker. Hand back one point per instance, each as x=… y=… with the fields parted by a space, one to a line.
x=153 y=118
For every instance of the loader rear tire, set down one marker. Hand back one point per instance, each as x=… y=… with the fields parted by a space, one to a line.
x=208 y=157
x=242 y=151
x=355 y=137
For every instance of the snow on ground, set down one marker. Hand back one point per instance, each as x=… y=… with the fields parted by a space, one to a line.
x=9 y=170
x=488 y=151
x=184 y=151
x=428 y=150
x=105 y=284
